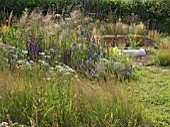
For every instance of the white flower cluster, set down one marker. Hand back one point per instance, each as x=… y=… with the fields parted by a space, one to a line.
x=65 y=69
x=4 y=124
x=23 y=64
x=42 y=62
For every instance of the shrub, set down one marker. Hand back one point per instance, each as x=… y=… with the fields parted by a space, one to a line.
x=164 y=54
x=164 y=57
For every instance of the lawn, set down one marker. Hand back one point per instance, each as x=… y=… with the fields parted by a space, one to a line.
x=152 y=92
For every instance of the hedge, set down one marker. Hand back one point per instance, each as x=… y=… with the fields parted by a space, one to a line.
x=155 y=12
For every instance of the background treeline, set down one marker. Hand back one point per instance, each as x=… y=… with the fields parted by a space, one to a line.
x=154 y=13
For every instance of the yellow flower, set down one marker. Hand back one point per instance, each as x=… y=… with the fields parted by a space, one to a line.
x=115 y=49
x=4 y=28
x=30 y=85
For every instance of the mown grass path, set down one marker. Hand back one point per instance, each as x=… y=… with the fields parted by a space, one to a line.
x=152 y=92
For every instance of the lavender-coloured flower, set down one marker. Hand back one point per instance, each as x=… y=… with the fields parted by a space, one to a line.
x=88 y=51
x=100 y=66
x=91 y=73
x=95 y=54
x=81 y=47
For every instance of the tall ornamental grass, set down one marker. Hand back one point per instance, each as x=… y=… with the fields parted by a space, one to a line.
x=36 y=98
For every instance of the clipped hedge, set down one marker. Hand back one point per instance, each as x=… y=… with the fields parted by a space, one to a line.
x=156 y=13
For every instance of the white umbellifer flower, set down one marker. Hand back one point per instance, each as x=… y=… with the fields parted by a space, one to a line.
x=44 y=63
x=48 y=79
x=67 y=73
x=52 y=50
x=62 y=69
x=51 y=68
x=4 y=124
x=20 y=61
x=47 y=56
x=42 y=53
x=24 y=52
x=56 y=62
x=57 y=15
x=67 y=67
x=31 y=61
x=58 y=66
x=71 y=70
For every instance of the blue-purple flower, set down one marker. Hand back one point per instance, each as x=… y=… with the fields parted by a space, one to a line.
x=74 y=46
x=93 y=45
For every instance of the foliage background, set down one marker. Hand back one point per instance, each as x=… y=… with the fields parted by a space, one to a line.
x=154 y=13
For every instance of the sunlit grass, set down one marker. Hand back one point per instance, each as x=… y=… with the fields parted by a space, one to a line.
x=64 y=101
x=151 y=92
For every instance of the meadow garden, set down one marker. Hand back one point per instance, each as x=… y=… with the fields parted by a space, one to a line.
x=63 y=63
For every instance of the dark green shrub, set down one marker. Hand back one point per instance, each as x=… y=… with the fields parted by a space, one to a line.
x=155 y=12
